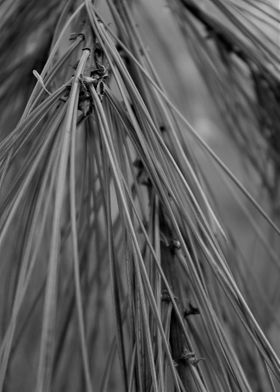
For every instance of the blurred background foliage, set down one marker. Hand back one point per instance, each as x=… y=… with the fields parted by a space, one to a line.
x=139 y=200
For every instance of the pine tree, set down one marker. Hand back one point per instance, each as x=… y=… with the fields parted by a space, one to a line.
x=119 y=271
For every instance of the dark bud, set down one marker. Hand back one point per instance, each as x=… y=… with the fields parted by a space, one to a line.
x=192 y=310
